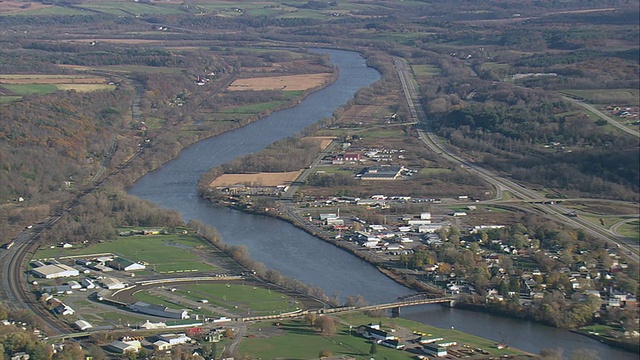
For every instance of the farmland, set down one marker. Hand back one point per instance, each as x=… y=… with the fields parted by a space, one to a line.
x=16 y=86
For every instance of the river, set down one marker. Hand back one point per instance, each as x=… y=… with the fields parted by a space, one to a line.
x=295 y=253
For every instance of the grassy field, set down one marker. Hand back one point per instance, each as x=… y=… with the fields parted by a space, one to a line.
x=121 y=8
x=51 y=10
x=296 y=340
x=425 y=70
x=163 y=253
x=240 y=298
x=26 y=89
x=631 y=230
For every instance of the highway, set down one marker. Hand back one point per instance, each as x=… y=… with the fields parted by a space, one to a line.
x=542 y=205
x=602 y=115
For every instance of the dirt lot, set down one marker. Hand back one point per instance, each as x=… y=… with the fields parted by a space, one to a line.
x=288 y=82
x=259 y=179
x=324 y=141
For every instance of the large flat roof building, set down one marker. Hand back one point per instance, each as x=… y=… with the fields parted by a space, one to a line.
x=55 y=271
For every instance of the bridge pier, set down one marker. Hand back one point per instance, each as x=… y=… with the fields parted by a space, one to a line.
x=395 y=312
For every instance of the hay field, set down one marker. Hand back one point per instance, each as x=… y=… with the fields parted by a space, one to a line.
x=23 y=84
x=50 y=79
x=287 y=82
x=13 y=7
x=259 y=179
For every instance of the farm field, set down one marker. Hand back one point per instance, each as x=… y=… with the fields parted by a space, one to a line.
x=288 y=82
x=620 y=97
x=39 y=84
x=259 y=179
x=163 y=253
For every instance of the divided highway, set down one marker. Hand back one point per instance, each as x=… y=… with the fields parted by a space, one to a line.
x=501 y=184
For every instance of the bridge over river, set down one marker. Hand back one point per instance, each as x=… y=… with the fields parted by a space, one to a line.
x=412 y=300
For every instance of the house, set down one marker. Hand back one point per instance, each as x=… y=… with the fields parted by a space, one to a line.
x=459 y=213
x=161 y=345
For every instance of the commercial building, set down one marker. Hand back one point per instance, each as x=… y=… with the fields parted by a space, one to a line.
x=55 y=271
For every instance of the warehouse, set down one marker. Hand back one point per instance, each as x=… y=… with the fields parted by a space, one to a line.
x=55 y=271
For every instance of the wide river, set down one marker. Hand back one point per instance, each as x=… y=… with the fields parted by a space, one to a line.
x=293 y=252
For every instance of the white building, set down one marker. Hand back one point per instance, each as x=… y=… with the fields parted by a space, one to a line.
x=55 y=271
x=174 y=339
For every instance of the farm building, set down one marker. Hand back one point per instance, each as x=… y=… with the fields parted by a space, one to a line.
x=55 y=271
x=119 y=263
x=113 y=284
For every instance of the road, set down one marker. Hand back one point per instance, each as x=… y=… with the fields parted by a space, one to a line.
x=602 y=116
x=500 y=183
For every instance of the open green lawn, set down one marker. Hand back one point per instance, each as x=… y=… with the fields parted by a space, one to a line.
x=162 y=253
x=381 y=133
x=631 y=230
x=240 y=298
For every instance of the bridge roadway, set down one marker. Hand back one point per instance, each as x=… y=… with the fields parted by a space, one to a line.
x=396 y=305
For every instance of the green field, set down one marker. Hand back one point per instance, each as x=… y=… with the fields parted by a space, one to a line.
x=162 y=253
x=51 y=10
x=121 y=8
x=27 y=89
x=425 y=70
x=240 y=298
x=631 y=230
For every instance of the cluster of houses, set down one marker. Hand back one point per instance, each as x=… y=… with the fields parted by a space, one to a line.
x=389 y=238
x=163 y=342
